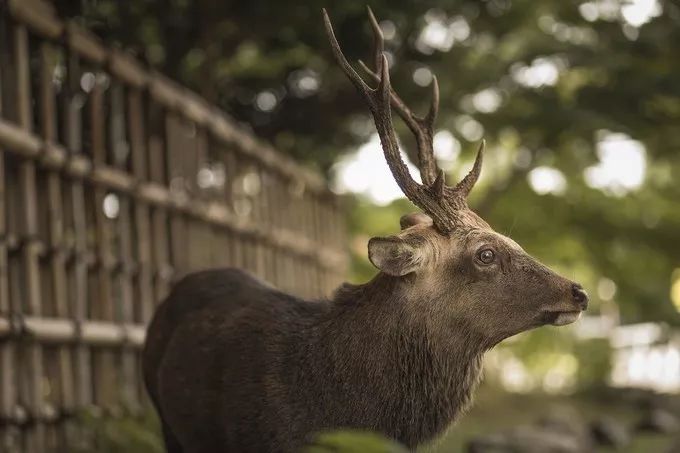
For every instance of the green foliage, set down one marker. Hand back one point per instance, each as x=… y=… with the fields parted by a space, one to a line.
x=594 y=358
x=353 y=442
x=123 y=433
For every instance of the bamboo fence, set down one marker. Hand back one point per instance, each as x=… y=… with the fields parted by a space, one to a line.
x=114 y=181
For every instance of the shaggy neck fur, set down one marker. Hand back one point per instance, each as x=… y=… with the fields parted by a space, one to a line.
x=398 y=374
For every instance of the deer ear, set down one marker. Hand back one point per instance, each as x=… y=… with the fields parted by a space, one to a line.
x=413 y=219
x=395 y=255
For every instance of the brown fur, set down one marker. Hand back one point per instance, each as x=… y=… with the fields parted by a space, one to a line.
x=233 y=365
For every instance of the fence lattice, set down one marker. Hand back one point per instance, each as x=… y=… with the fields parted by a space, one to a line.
x=114 y=181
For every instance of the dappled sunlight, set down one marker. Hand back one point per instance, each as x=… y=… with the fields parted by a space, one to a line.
x=644 y=355
x=606 y=289
x=487 y=100
x=441 y=32
x=639 y=12
x=266 y=101
x=422 y=76
x=304 y=82
x=557 y=372
x=547 y=180
x=655 y=367
x=565 y=32
x=675 y=288
x=446 y=149
x=543 y=71
x=514 y=376
x=621 y=167
x=633 y=12
x=471 y=129
x=366 y=172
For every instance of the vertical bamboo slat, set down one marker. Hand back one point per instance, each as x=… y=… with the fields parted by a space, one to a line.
x=126 y=304
x=142 y=227
x=162 y=270
x=8 y=391
x=175 y=164
x=75 y=193
x=61 y=385
x=102 y=300
x=32 y=371
x=125 y=268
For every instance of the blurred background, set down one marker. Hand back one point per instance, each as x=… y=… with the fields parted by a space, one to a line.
x=579 y=103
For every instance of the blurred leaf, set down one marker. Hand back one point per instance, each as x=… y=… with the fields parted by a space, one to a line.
x=354 y=442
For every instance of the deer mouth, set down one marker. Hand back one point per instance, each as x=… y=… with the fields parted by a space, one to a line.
x=561 y=318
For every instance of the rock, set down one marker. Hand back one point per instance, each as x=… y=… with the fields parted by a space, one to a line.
x=609 y=432
x=568 y=422
x=659 y=421
x=675 y=447
x=527 y=439
x=491 y=443
x=534 y=439
x=646 y=400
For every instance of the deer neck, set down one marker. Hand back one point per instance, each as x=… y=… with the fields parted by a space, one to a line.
x=422 y=375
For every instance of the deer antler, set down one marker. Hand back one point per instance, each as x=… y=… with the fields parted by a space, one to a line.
x=434 y=197
x=421 y=127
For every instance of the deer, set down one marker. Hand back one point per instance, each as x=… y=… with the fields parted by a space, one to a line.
x=231 y=364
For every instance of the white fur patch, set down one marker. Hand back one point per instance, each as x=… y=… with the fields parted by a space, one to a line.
x=566 y=318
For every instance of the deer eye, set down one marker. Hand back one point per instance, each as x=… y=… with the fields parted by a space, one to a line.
x=486 y=256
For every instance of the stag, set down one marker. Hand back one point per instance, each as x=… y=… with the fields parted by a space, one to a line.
x=233 y=365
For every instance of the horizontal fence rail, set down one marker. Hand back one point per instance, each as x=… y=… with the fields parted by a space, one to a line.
x=114 y=182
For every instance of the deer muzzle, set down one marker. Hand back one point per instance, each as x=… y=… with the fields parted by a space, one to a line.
x=578 y=304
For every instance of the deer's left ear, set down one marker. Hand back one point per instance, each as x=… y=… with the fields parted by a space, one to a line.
x=413 y=219
x=397 y=255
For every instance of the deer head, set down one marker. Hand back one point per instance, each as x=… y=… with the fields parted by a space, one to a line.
x=450 y=260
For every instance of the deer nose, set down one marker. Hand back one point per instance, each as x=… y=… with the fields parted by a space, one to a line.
x=579 y=295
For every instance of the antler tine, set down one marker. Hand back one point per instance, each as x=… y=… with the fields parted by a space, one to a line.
x=426 y=143
x=421 y=127
x=463 y=188
x=347 y=68
x=378 y=101
x=382 y=116
x=378 y=40
x=434 y=104
x=399 y=105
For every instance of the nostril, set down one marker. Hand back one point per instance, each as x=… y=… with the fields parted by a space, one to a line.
x=579 y=295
